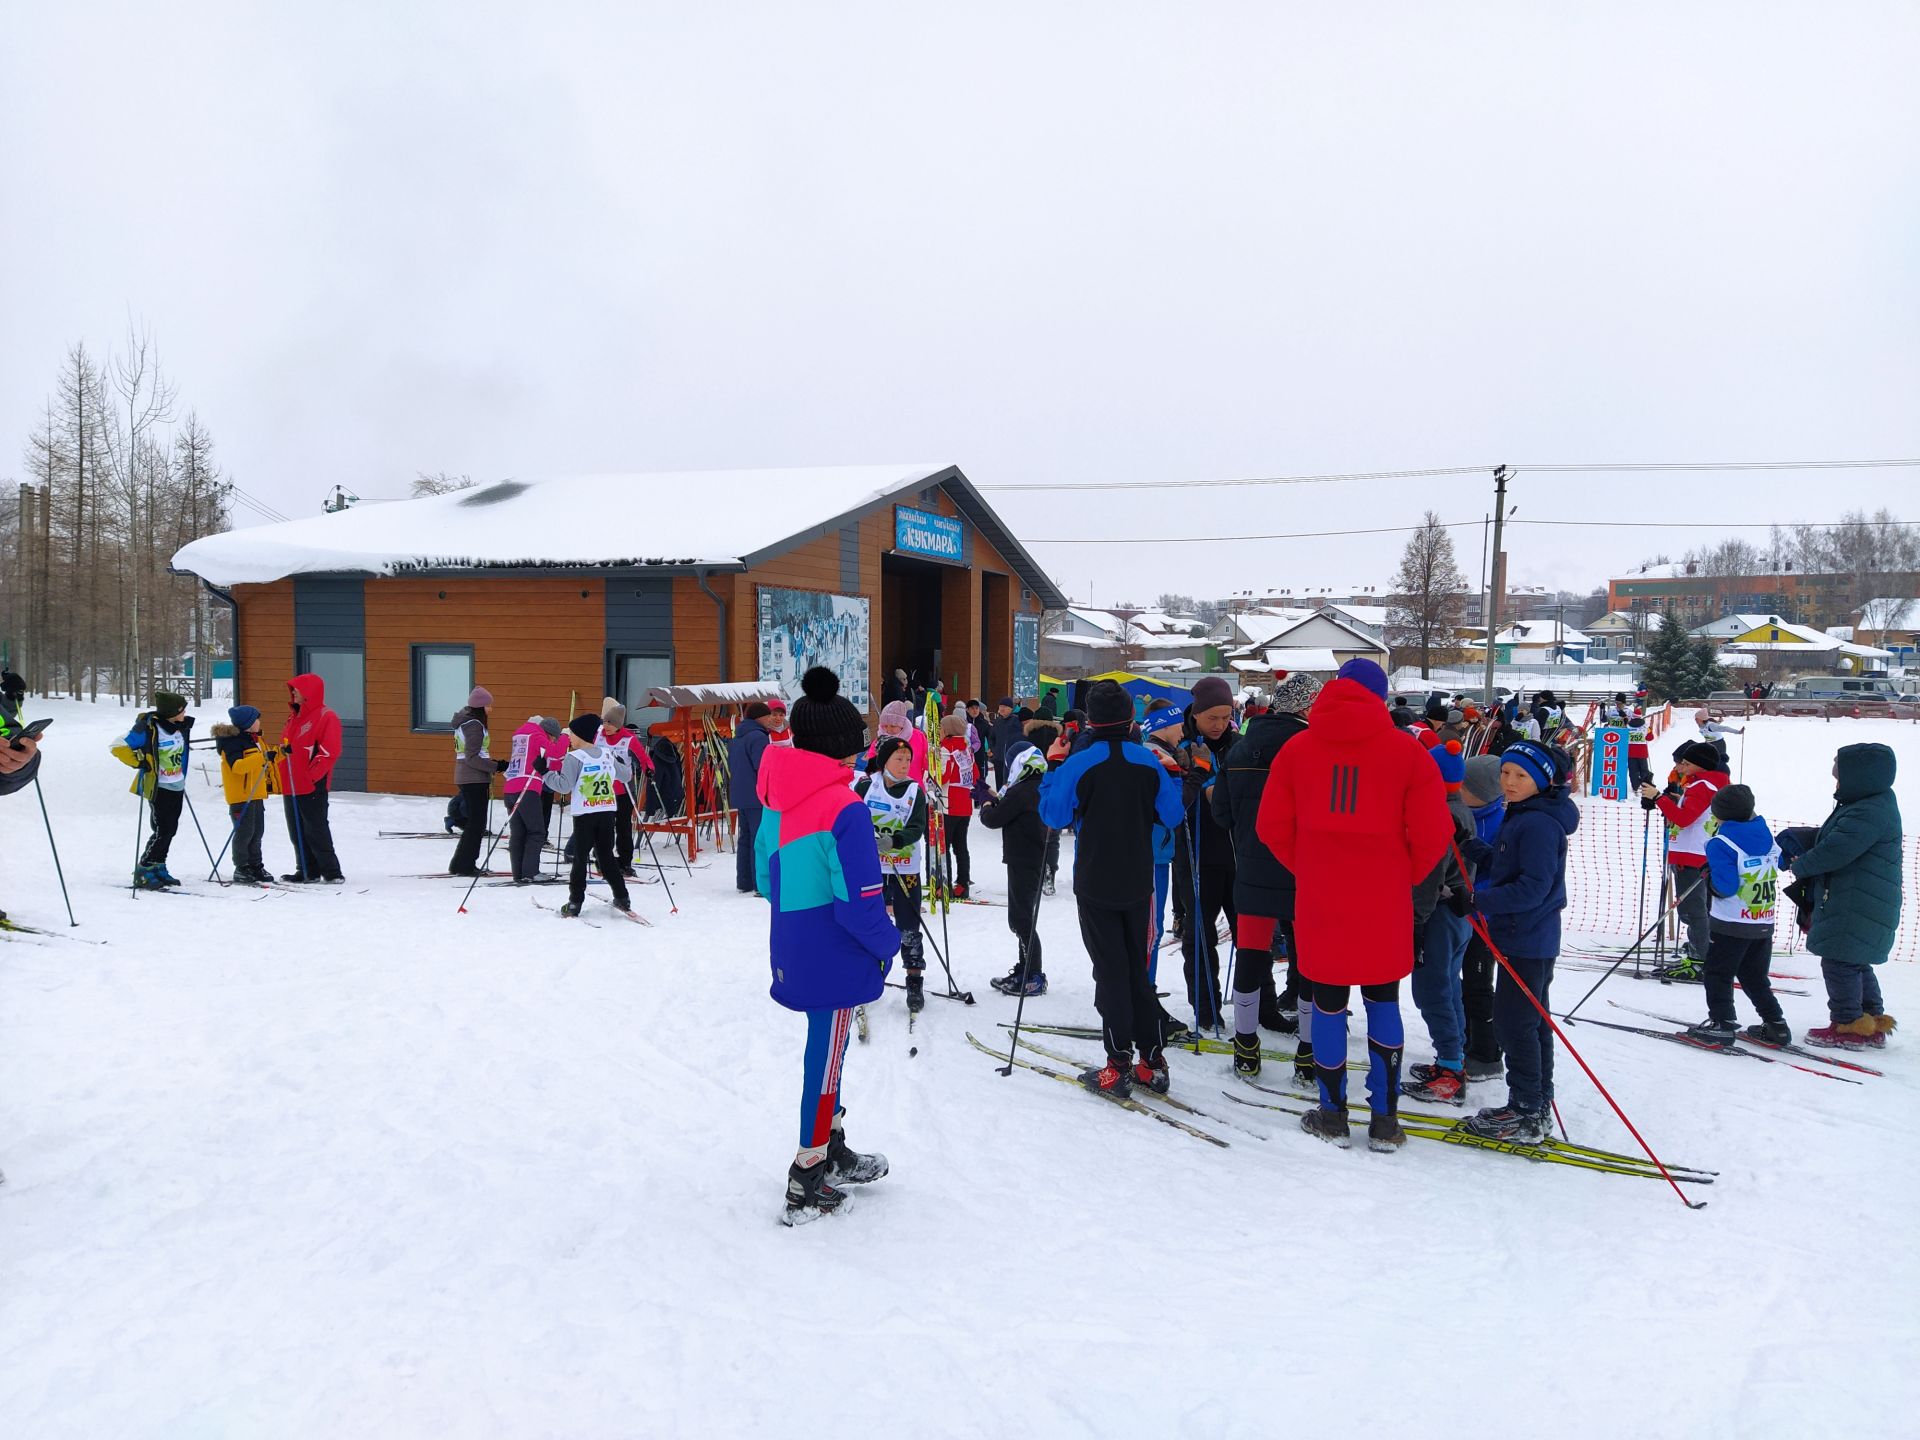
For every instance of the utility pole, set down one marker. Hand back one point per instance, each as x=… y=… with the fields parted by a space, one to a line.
x=1498 y=582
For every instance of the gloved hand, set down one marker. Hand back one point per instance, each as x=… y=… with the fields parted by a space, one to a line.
x=499 y=766
x=540 y=765
x=1460 y=902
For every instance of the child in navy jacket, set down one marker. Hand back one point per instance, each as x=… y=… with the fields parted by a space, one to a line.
x=1519 y=897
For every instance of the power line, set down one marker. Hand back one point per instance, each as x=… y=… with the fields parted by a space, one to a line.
x=1465 y=524
x=1598 y=467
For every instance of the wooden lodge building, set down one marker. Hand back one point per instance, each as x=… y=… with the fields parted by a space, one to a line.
x=553 y=593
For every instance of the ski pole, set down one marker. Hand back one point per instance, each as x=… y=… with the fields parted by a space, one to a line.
x=673 y=907
x=1033 y=929
x=1634 y=948
x=1646 y=847
x=139 y=825
x=194 y=815
x=511 y=812
x=1605 y=1094
x=45 y=820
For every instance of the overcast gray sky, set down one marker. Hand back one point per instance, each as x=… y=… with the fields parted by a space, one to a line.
x=1048 y=242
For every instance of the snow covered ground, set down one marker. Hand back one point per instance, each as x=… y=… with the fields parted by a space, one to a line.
x=350 y=1163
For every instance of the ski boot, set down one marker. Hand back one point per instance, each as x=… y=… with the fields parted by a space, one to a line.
x=568 y=910
x=1284 y=1022
x=1508 y=1122
x=1384 y=1135
x=1683 y=966
x=1328 y=1125
x=1772 y=1033
x=1010 y=983
x=147 y=877
x=1854 y=1035
x=846 y=1165
x=1113 y=1078
x=1437 y=1084
x=1153 y=1074
x=1035 y=984
x=1484 y=1069
x=167 y=877
x=296 y=878
x=916 y=991
x=810 y=1195
x=1246 y=1056
x=1305 y=1074
x=1711 y=1034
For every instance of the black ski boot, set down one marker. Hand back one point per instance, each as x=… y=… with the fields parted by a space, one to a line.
x=1328 y=1120
x=1506 y=1122
x=809 y=1195
x=1246 y=1056
x=1485 y=1069
x=1305 y=1074
x=568 y=910
x=1711 y=1034
x=847 y=1166
x=1113 y=1078
x=1769 y=1033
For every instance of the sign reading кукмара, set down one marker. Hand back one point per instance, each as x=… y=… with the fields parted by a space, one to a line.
x=938 y=537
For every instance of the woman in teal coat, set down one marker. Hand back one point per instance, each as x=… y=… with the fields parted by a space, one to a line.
x=1854 y=866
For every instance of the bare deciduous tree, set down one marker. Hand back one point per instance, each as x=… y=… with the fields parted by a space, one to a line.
x=440 y=482
x=1424 y=611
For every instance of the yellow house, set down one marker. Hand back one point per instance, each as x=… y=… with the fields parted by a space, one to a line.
x=1801 y=646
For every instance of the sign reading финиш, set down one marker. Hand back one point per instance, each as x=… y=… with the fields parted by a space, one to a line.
x=919 y=532
x=1609 y=763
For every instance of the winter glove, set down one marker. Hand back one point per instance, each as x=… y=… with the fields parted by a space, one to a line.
x=1460 y=903
x=540 y=766
x=499 y=766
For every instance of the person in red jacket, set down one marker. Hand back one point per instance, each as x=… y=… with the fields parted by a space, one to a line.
x=312 y=739
x=1357 y=812
x=1687 y=805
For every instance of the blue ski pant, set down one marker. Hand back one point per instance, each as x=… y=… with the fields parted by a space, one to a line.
x=827 y=1032
x=1386 y=1038
x=1436 y=985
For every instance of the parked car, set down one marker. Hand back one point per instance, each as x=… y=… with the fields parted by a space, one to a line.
x=1840 y=687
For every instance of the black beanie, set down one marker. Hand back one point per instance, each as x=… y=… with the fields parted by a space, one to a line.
x=1733 y=802
x=1701 y=754
x=1108 y=703
x=822 y=720
x=587 y=727
x=889 y=746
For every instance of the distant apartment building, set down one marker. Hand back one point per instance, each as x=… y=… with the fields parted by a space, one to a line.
x=1807 y=599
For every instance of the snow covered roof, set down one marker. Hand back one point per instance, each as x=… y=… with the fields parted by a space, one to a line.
x=1084 y=642
x=1735 y=624
x=1299 y=657
x=1374 y=617
x=1100 y=619
x=1540 y=632
x=1176 y=662
x=1257 y=627
x=723 y=519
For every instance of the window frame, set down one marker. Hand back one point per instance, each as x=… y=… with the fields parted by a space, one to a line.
x=417 y=690
x=617 y=655
x=303 y=658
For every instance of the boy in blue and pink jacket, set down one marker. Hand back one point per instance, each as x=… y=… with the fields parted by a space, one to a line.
x=830 y=942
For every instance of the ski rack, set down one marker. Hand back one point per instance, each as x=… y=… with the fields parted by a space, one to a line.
x=702 y=721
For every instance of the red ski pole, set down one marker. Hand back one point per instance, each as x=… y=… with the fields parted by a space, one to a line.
x=1560 y=1035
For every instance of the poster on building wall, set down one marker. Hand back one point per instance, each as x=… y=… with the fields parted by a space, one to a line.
x=1026 y=655
x=799 y=629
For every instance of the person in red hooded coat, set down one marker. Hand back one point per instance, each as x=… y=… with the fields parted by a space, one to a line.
x=312 y=740
x=1356 y=810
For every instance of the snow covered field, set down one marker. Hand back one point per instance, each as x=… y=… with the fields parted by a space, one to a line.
x=345 y=1163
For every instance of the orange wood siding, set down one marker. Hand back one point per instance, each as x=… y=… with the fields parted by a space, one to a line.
x=265 y=648
x=534 y=641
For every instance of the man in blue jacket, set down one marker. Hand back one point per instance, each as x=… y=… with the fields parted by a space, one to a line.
x=744 y=754
x=1113 y=793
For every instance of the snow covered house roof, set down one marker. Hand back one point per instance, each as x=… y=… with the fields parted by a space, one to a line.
x=1105 y=621
x=1296 y=658
x=685 y=520
x=1738 y=623
x=1370 y=617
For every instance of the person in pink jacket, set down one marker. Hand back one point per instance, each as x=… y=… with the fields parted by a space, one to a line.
x=538 y=746
x=897 y=721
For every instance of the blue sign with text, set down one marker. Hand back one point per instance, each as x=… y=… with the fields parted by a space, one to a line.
x=920 y=532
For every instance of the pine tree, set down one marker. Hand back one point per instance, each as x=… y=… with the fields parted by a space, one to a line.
x=1672 y=668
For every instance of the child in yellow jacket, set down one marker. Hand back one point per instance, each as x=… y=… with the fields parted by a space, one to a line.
x=247 y=775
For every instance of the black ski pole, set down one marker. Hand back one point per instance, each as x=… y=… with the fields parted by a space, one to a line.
x=1033 y=929
x=673 y=906
x=512 y=811
x=195 y=816
x=1633 y=948
x=45 y=820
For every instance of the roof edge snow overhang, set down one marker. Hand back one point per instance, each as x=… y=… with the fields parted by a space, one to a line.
x=967 y=500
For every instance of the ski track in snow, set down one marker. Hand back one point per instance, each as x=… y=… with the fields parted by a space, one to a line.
x=342 y=1163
